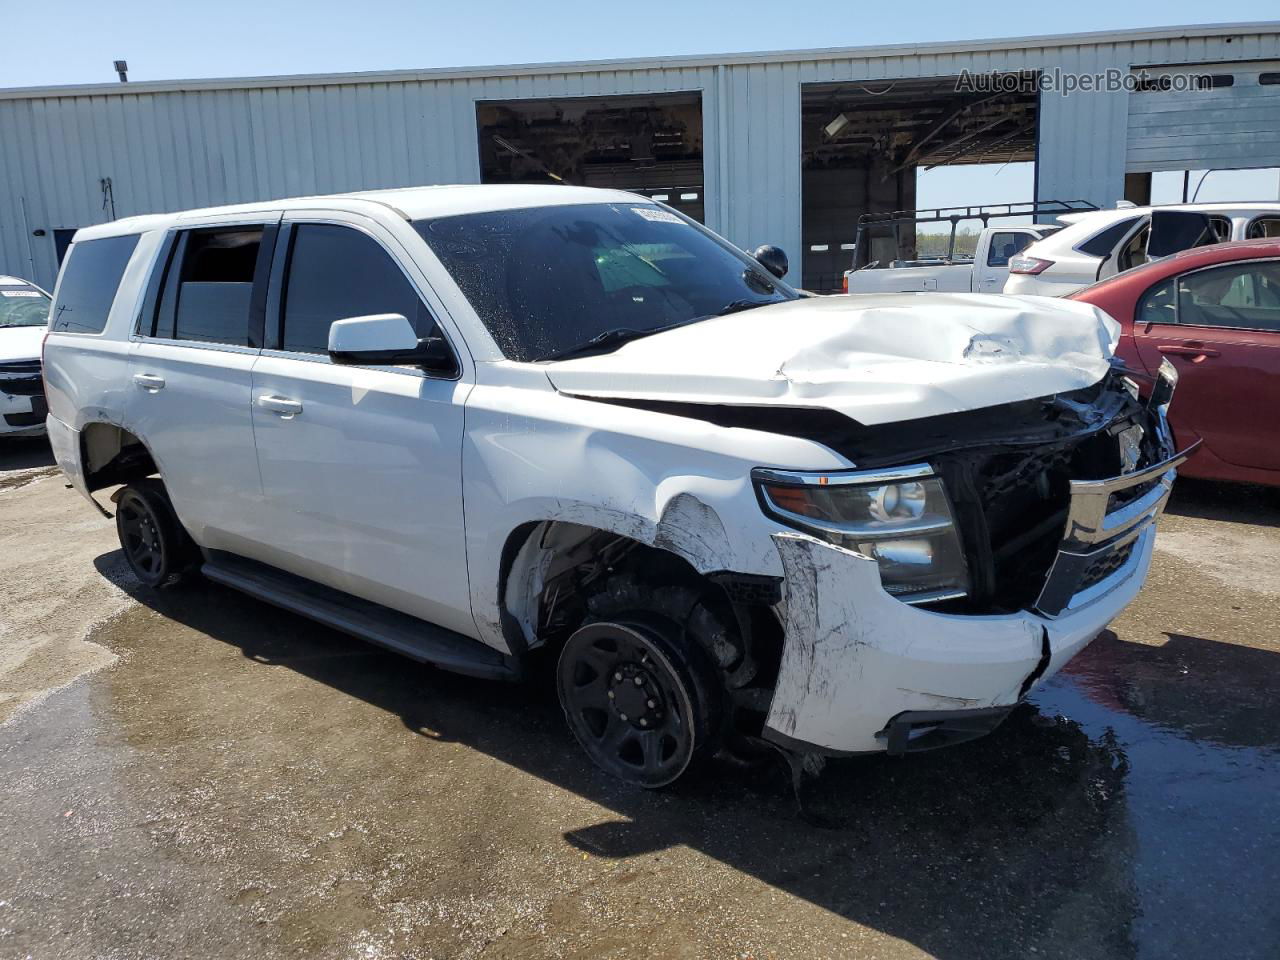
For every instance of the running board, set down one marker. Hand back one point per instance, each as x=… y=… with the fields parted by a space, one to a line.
x=369 y=621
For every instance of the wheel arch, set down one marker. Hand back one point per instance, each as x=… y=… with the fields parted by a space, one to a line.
x=111 y=454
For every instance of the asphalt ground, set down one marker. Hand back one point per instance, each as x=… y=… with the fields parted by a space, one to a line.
x=192 y=773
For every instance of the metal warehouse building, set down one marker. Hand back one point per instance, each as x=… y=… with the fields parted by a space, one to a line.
x=787 y=148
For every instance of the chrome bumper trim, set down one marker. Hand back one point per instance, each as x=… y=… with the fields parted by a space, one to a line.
x=1094 y=534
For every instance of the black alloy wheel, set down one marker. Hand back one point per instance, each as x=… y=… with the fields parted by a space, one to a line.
x=637 y=700
x=155 y=545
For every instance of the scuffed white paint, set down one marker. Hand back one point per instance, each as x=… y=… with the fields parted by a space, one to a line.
x=876 y=358
x=855 y=657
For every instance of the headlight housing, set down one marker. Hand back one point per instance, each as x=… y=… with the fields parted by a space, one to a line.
x=900 y=517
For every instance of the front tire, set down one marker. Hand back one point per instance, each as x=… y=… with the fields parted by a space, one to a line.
x=644 y=706
x=157 y=548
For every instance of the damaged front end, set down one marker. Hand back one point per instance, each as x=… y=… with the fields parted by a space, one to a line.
x=966 y=558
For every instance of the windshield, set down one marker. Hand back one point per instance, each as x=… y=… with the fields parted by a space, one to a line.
x=547 y=279
x=22 y=305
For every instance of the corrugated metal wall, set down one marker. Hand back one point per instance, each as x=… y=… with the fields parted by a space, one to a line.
x=1221 y=128
x=198 y=147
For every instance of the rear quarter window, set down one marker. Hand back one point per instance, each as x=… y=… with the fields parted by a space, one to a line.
x=88 y=285
x=1104 y=241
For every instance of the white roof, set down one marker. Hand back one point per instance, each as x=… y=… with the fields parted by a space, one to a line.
x=1226 y=208
x=412 y=203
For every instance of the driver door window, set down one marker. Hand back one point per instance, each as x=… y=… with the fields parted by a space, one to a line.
x=336 y=272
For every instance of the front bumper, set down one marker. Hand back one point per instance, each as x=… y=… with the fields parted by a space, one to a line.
x=22 y=415
x=856 y=661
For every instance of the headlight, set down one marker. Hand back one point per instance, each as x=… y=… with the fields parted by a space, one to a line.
x=900 y=517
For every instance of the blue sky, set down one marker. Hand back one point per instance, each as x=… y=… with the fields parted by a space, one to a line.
x=74 y=41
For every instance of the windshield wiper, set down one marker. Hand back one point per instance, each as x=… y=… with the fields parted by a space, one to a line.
x=606 y=341
x=736 y=306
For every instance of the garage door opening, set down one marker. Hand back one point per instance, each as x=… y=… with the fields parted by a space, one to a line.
x=863 y=143
x=646 y=144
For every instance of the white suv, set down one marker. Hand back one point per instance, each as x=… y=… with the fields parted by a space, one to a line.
x=488 y=425
x=24 y=316
x=1100 y=244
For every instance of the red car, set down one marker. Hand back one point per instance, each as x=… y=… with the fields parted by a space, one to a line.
x=1214 y=312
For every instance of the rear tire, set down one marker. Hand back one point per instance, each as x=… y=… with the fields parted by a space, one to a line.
x=158 y=549
x=645 y=706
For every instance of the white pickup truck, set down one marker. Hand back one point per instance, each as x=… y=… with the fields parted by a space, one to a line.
x=985 y=272
x=488 y=426
x=884 y=258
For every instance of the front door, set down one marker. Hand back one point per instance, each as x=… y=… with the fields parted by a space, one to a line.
x=361 y=466
x=991 y=269
x=196 y=343
x=1220 y=327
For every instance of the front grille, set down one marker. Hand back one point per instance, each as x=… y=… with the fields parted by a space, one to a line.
x=21 y=378
x=22 y=386
x=1015 y=512
x=19 y=366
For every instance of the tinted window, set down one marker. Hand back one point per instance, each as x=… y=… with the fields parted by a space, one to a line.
x=545 y=279
x=1005 y=245
x=209 y=290
x=338 y=272
x=1156 y=305
x=1242 y=295
x=22 y=305
x=89 y=281
x=1103 y=242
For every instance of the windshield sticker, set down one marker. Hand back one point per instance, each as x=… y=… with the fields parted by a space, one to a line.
x=19 y=293
x=654 y=215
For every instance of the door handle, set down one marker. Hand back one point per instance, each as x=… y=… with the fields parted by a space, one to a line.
x=149 y=381
x=1179 y=350
x=286 y=408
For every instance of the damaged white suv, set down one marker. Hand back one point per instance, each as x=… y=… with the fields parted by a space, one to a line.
x=489 y=425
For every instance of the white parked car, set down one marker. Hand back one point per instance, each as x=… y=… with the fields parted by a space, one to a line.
x=24 y=317
x=487 y=425
x=1094 y=246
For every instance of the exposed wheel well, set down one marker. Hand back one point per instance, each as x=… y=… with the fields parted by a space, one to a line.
x=558 y=575
x=112 y=455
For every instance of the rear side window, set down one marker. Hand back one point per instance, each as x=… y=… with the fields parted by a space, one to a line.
x=1005 y=245
x=338 y=272
x=208 y=292
x=89 y=280
x=1103 y=242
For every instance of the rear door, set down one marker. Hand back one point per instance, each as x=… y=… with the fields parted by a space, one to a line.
x=361 y=466
x=991 y=268
x=1220 y=327
x=198 y=335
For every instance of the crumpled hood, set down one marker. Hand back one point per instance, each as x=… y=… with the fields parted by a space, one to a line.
x=875 y=358
x=21 y=343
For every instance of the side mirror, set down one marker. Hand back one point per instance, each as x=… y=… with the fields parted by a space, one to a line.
x=387 y=338
x=772 y=259
x=1173 y=231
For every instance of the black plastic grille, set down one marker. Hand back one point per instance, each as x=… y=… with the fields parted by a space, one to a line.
x=22 y=386
x=1105 y=565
